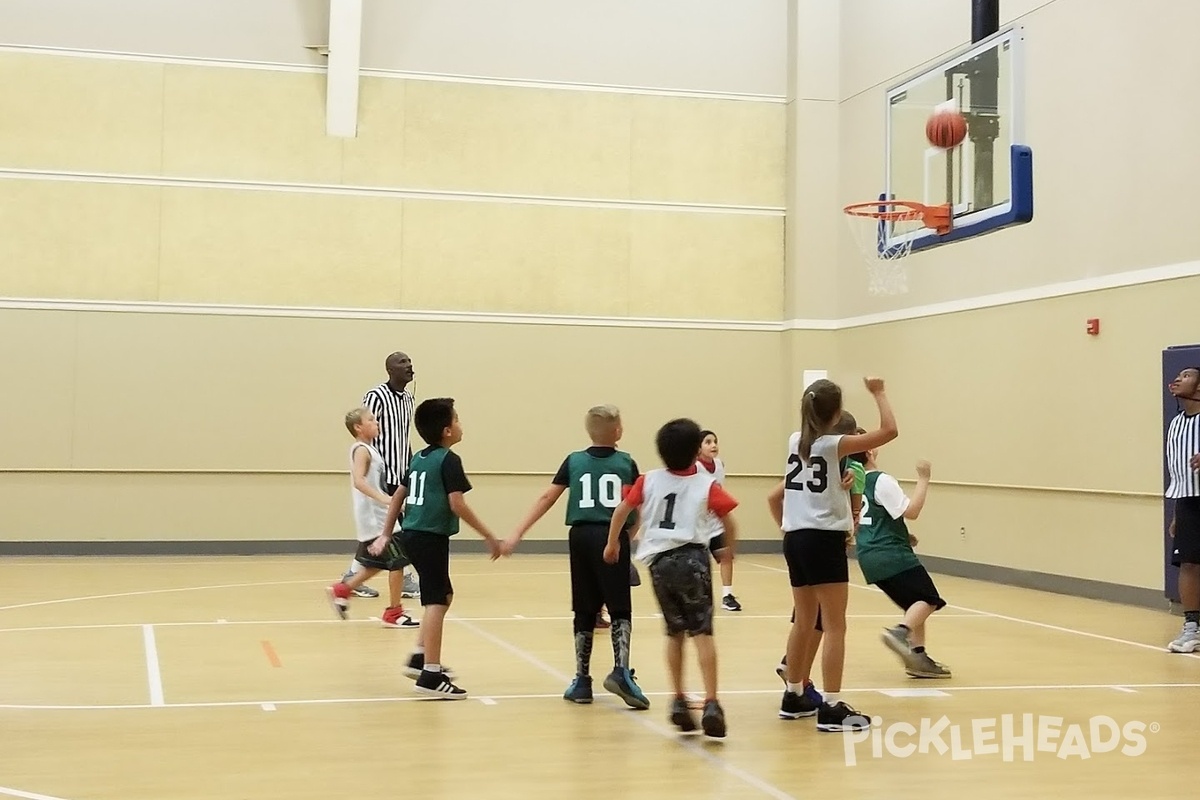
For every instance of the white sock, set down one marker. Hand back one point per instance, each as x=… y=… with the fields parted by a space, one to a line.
x=833 y=698
x=419 y=650
x=433 y=667
x=796 y=688
x=726 y=591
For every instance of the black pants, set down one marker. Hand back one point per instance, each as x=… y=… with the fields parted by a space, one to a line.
x=594 y=583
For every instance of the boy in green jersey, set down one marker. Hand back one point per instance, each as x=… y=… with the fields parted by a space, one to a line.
x=596 y=480
x=431 y=496
x=884 y=549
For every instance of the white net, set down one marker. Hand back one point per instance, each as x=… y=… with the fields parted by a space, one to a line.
x=886 y=272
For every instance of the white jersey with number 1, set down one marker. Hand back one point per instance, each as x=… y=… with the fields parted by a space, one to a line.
x=813 y=497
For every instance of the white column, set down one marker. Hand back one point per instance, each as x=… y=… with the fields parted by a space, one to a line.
x=345 y=49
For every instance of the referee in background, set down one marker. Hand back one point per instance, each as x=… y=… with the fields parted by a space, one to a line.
x=1183 y=463
x=392 y=405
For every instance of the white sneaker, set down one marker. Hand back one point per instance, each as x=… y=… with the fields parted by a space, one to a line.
x=1188 y=640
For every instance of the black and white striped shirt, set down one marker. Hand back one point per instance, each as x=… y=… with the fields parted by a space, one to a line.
x=394 y=410
x=1183 y=442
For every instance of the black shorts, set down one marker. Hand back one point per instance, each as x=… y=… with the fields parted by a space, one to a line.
x=429 y=554
x=594 y=582
x=912 y=586
x=682 y=581
x=817 y=626
x=1186 y=545
x=816 y=557
x=716 y=543
x=391 y=559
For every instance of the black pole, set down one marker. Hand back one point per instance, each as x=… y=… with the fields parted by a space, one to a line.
x=985 y=19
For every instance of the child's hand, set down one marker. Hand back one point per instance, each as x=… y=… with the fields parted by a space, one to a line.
x=912 y=540
x=495 y=548
x=376 y=547
x=923 y=469
x=874 y=385
x=612 y=552
x=507 y=546
x=848 y=480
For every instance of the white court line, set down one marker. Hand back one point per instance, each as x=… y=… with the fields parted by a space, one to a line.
x=26 y=795
x=513 y=618
x=945 y=687
x=153 y=672
x=691 y=747
x=241 y=586
x=1023 y=621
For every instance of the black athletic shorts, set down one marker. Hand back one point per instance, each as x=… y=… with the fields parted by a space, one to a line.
x=716 y=543
x=816 y=557
x=1187 y=532
x=391 y=559
x=429 y=554
x=594 y=582
x=912 y=586
x=682 y=581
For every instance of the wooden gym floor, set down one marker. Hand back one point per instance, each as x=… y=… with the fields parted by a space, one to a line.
x=157 y=679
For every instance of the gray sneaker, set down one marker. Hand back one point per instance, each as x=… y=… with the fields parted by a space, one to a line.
x=925 y=667
x=1188 y=640
x=412 y=587
x=361 y=591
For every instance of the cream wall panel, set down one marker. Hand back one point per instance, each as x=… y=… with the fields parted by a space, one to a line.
x=1099 y=538
x=84 y=114
x=815 y=221
x=277 y=248
x=1021 y=395
x=247 y=124
x=38 y=401
x=702 y=266
x=78 y=240
x=516 y=140
x=515 y=258
x=708 y=151
x=375 y=157
x=883 y=39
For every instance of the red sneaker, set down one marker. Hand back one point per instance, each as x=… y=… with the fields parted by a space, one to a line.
x=394 y=617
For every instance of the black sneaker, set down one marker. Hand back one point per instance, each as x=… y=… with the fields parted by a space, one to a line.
x=840 y=718
x=730 y=603
x=436 y=684
x=416 y=666
x=795 y=706
x=681 y=715
x=580 y=690
x=713 y=720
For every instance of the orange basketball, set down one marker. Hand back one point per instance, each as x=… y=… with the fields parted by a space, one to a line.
x=946 y=129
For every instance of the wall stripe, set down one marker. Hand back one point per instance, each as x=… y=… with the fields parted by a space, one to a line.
x=385 y=191
x=1132 y=278
x=392 y=74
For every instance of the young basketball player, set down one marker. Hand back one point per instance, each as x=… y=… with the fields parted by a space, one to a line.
x=814 y=512
x=595 y=478
x=853 y=479
x=369 y=504
x=885 y=555
x=673 y=504
x=432 y=498
x=710 y=462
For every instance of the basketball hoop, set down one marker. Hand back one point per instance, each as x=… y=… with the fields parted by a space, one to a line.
x=884 y=231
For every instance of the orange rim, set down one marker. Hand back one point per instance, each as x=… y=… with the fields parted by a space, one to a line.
x=935 y=217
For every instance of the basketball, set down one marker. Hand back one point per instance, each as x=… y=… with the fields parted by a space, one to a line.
x=946 y=129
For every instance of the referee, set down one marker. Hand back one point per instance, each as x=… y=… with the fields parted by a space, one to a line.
x=1183 y=463
x=392 y=405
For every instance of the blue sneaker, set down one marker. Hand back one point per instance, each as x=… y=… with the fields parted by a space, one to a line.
x=810 y=691
x=580 y=690
x=621 y=683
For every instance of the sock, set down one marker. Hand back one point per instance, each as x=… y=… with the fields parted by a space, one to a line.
x=1192 y=617
x=919 y=648
x=419 y=650
x=433 y=667
x=726 y=591
x=583 y=652
x=796 y=688
x=621 y=631
x=833 y=698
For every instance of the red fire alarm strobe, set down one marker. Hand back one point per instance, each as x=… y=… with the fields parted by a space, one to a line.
x=1093 y=327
